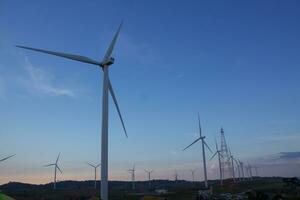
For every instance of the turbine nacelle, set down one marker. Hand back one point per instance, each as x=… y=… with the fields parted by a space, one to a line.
x=107 y=62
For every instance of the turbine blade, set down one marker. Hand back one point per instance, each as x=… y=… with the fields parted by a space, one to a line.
x=229 y=151
x=48 y=165
x=57 y=158
x=64 y=55
x=200 y=132
x=112 y=44
x=58 y=169
x=117 y=106
x=216 y=144
x=213 y=156
x=7 y=158
x=207 y=146
x=236 y=161
x=219 y=152
x=191 y=144
x=91 y=165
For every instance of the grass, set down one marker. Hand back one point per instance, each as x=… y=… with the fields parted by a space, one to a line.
x=4 y=197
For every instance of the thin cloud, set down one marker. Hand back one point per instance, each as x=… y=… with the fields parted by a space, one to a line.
x=289 y=155
x=275 y=138
x=40 y=81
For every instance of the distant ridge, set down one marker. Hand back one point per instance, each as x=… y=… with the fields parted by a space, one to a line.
x=90 y=184
x=115 y=185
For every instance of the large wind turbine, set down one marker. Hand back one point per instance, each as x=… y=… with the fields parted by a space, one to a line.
x=149 y=172
x=95 y=170
x=203 y=150
x=55 y=170
x=3 y=159
x=218 y=152
x=132 y=172
x=107 y=88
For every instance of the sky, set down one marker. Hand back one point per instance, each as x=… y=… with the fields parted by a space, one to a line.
x=236 y=63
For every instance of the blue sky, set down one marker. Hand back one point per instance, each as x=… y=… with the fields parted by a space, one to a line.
x=236 y=63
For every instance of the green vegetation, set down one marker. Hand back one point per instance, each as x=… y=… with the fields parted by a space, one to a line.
x=256 y=189
x=4 y=197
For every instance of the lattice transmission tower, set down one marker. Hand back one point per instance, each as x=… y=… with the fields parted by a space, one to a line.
x=225 y=158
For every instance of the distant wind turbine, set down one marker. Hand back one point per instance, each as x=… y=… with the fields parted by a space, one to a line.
x=107 y=88
x=219 y=153
x=132 y=172
x=242 y=169
x=238 y=168
x=175 y=177
x=55 y=170
x=3 y=159
x=203 y=150
x=193 y=175
x=95 y=170
x=249 y=169
x=232 y=165
x=256 y=170
x=149 y=172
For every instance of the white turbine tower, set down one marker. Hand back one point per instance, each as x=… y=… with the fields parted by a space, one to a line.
x=219 y=153
x=203 y=150
x=3 y=159
x=132 y=172
x=56 y=167
x=149 y=172
x=107 y=88
x=95 y=172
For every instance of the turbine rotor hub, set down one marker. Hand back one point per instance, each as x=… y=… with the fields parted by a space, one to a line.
x=108 y=62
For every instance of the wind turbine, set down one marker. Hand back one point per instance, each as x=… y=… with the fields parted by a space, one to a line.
x=95 y=168
x=55 y=170
x=175 y=177
x=3 y=159
x=249 y=170
x=203 y=150
x=256 y=170
x=193 y=175
x=149 y=172
x=242 y=169
x=218 y=152
x=132 y=172
x=238 y=168
x=107 y=88
x=232 y=165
